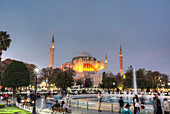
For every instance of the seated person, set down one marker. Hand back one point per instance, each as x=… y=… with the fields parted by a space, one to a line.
x=143 y=111
x=126 y=110
x=63 y=105
x=8 y=102
x=56 y=105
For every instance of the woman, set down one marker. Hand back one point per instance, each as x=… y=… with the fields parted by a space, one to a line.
x=136 y=105
x=8 y=102
x=67 y=99
x=165 y=105
x=99 y=100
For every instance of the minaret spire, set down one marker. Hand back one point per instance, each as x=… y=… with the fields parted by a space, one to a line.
x=105 y=61
x=51 y=57
x=121 y=61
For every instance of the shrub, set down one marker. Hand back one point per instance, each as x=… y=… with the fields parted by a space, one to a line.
x=2 y=105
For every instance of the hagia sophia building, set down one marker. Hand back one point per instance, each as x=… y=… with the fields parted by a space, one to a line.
x=85 y=65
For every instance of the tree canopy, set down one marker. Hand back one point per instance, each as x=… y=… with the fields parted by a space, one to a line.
x=63 y=80
x=5 y=41
x=16 y=75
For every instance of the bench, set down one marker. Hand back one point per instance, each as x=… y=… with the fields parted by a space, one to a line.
x=56 y=109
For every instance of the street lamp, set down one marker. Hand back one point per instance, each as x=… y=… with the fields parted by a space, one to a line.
x=114 y=85
x=36 y=71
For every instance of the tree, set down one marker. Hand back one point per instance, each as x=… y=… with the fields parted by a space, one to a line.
x=4 y=42
x=63 y=80
x=16 y=75
x=31 y=68
x=107 y=82
x=88 y=82
x=78 y=82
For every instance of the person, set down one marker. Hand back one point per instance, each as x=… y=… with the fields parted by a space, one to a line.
x=6 y=96
x=136 y=105
x=67 y=99
x=28 y=93
x=165 y=105
x=63 y=105
x=56 y=104
x=8 y=102
x=19 y=99
x=121 y=104
x=157 y=105
x=126 y=109
x=143 y=111
x=99 y=100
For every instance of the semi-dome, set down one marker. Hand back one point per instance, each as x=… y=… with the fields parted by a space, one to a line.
x=85 y=56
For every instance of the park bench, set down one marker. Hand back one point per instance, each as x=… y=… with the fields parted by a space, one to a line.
x=56 y=109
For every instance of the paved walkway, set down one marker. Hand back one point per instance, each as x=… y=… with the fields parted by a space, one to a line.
x=85 y=111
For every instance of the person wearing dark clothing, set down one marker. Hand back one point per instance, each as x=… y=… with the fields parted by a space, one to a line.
x=121 y=104
x=56 y=104
x=157 y=105
x=19 y=99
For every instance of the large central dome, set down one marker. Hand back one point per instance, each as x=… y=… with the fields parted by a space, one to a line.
x=84 y=56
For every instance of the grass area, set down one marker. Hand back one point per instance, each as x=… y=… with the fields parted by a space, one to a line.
x=12 y=109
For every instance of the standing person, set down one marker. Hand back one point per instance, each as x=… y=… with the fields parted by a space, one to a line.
x=67 y=99
x=165 y=105
x=126 y=109
x=121 y=104
x=157 y=105
x=136 y=105
x=28 y=93
x=19 y=99
x=99 y=100
x=143 y=111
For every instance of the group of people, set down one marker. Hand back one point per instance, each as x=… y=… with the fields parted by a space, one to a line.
x=140 y=109
x=5 y=97
x=60 y=105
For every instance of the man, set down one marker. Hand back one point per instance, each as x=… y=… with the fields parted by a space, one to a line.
x=157 y=105
x=121 y=104
x=143 y=111
x=56 y=104
x=99 y=100
x=126 y=110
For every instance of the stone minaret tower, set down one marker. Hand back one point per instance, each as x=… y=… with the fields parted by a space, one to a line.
x=105 y=61
x=121 y=61
x=51 y=57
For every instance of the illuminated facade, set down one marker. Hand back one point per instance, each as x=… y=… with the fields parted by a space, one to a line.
x=84 y=63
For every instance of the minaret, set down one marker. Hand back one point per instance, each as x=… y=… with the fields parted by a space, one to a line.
x=105 y=61
x=51 y=57
x=121 y=61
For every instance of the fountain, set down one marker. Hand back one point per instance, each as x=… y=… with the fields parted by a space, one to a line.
x=134 y=82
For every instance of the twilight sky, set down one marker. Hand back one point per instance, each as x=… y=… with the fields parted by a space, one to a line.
x=97 y=26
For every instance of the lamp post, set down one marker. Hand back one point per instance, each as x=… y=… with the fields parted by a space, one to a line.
x=114 y=85
x=36 y=71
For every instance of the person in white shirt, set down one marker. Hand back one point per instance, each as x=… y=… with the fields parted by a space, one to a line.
x=136 y=105
x=63 y=105
x=165 y=105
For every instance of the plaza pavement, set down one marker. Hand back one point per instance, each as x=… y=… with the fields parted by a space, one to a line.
x=86 y=111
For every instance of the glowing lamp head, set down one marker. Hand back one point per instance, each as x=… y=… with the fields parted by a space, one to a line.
x=36 y=70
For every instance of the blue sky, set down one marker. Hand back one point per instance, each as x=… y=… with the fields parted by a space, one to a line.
x=96 y=26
